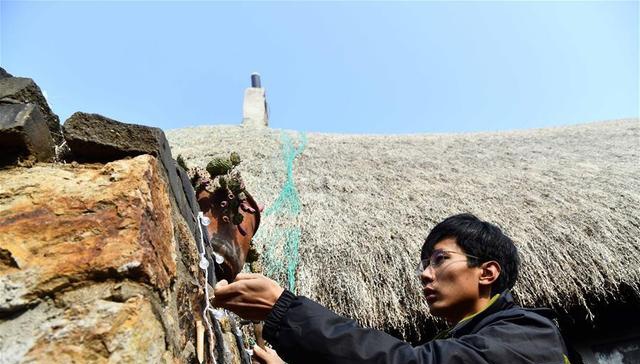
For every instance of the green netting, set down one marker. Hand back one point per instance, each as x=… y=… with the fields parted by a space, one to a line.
x=288 y=200
x=281 y=262
x=281 y=255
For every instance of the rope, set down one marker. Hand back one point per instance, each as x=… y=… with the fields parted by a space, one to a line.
x=204 y=264
x=288 y=206
x=208 y=309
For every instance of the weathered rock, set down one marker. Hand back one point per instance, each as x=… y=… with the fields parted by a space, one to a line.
x=26 y=91
x=95 y=138
x=63 y=226
x=102 y=323
x=186 y=298
x=24 y=134
x=232 y=334
x=4 y=74
x=98 y=265
x=191 y=208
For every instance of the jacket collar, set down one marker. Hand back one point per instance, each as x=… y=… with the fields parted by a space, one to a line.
x=498 y=302
x=491 y=302
x=503 y=302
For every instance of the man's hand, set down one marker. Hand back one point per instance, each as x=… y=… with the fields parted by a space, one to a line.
x=251 y=296
x=265 y=356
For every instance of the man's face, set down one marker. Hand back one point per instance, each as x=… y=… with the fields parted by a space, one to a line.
x=451 y=288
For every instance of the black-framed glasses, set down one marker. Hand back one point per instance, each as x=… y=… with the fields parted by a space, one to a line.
x=437 y=259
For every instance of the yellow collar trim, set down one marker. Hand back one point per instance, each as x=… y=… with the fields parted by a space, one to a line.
x=445 y=333
x=491 y=302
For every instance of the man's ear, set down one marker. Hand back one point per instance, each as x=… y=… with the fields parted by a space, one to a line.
x=490 y=273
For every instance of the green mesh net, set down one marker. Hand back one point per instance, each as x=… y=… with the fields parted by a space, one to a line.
x=281 y=256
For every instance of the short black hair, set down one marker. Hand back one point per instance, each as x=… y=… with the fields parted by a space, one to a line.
x=481 y=239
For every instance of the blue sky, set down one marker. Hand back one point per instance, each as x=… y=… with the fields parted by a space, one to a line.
x=357 y=67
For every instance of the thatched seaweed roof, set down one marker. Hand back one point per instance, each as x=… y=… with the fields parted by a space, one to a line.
x=568 y=196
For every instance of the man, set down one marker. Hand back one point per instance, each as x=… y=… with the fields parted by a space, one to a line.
x=467 y=268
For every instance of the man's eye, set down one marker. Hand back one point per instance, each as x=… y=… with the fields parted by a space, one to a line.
x=438 y=259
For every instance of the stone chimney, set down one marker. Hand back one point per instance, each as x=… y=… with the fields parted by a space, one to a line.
x=255 y=112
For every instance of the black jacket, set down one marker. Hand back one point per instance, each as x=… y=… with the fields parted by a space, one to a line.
x=302 y=331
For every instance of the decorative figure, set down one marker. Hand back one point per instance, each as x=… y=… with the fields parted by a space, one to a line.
x=233 y=213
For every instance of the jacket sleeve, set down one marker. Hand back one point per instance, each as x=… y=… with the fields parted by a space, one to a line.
x=302 y=331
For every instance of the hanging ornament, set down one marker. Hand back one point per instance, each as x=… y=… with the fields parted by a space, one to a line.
x=204 y=263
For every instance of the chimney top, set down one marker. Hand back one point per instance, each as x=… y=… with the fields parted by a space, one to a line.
x=255 y=80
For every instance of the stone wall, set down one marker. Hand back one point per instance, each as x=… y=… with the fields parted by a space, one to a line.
x=98 y=252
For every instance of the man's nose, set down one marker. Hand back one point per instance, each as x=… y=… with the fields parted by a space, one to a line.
x=428 y=275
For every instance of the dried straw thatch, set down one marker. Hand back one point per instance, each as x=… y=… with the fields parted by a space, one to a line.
x=568 y=196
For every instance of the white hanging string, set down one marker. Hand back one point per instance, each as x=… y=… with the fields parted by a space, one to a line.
x=204 y=264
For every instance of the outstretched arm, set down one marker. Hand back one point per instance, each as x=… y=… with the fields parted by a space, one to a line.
x=302 y=331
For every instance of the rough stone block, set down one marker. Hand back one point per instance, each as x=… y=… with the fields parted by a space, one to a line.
x=24 y=90
x=62 y=225
x=93 y=324
x=95 y=138
x=23 y=133
x=4 y=74
x=191 y=208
